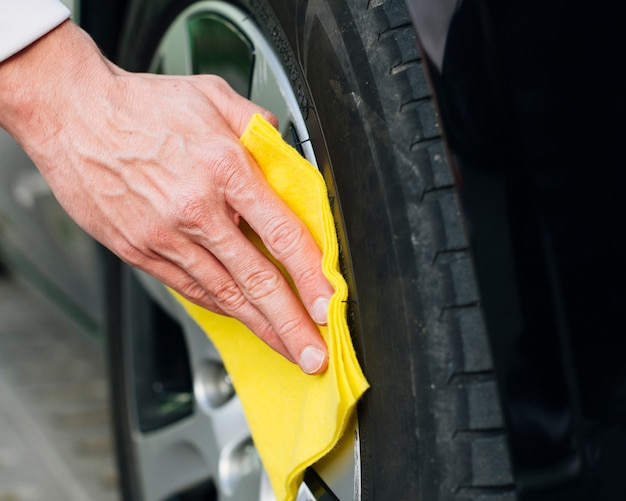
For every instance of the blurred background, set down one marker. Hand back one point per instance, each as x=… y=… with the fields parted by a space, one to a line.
x=55 y=439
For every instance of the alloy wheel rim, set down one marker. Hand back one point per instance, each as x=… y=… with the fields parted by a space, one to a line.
x=214 y=440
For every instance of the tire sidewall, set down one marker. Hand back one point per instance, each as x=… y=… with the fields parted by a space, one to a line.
x=341 y=106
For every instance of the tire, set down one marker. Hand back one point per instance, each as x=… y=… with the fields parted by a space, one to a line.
x=431 y=426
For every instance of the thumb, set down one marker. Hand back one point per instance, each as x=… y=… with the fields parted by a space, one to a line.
x=236 y=110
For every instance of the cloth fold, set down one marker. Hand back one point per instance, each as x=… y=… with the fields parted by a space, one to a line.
x=295 y=419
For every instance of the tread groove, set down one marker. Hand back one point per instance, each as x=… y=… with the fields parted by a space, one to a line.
x=414 y=103
x=402 y=67
x=453 y=250
x=435 y=189
x=390 y=32
x=445 y=309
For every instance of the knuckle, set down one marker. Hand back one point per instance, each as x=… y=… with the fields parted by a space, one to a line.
x=188 y=212
x=266 y=334
x=156 y=234
x=130 y=254
x=229 y=167
x=219 y=83
x=307 y=274
x=192 y=291
x=262 y=283
x=228 y=296
x=291 y=331
x=285 y=238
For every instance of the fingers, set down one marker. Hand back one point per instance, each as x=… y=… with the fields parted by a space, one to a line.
x=204 y=281
x=247 y=191
x=254 y=291
x=243 y=284
x=291 y=244
x=289 y=241
x=285 y=236
x=264 y=286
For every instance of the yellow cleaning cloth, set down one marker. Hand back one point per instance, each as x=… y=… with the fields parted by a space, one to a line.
x=295 y=419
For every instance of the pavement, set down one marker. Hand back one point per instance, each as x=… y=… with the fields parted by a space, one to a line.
x=55 y=437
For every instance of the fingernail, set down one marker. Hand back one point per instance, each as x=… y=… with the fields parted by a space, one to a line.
x=311 y=359
x=319 y=311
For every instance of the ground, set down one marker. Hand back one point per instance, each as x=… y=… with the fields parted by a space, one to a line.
x=55 y=440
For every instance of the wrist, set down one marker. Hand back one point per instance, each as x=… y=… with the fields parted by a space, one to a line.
x=38 y=84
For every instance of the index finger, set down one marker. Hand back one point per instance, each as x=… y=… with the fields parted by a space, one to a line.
x=287 y=238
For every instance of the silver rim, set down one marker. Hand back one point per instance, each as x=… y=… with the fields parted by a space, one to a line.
x=213 y=441
x=268 y=86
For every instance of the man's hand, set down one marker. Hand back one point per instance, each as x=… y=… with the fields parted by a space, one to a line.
x=152 y=167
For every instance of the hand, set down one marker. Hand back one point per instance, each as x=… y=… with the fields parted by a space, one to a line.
x=152 y=167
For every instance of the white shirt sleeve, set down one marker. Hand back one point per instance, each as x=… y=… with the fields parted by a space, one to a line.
x=24 y=21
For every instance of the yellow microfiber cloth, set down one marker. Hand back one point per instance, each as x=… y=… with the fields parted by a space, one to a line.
x=295 y=419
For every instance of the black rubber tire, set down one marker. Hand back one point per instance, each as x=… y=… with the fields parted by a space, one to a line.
x=431 y=426
x=119 y=378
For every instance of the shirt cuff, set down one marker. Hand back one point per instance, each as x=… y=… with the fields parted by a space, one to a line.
x=24 y=21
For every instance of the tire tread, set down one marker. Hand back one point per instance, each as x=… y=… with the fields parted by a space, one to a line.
x=469 y=425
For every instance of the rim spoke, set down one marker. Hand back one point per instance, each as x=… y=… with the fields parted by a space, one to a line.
x=266 y=93
x=174 y=458
x=188 y=452
x=218 y=422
